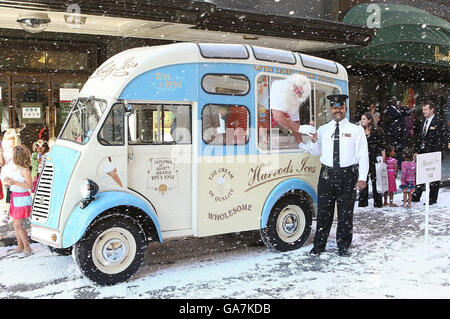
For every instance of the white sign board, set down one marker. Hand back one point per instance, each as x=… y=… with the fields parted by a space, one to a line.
x=67 y=95
x=428 y=167
x=0 y=93
x=31 y=112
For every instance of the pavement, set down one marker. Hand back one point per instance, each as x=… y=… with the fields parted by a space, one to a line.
x=7 y=233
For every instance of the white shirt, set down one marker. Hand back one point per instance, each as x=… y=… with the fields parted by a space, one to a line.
x=352 y=146
x=428 y=123
x=279 y=101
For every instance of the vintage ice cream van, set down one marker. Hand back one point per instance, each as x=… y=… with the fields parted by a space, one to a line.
x=177 y=140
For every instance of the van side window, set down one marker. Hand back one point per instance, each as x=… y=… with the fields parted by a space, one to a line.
x=112 y=132
x=225 y=124
x=271 y=135
x=274 y=55
x=229 y=84
x=322 y=105
x=160 y=124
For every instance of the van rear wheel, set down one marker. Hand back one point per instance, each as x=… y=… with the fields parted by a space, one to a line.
x=289 y=223
x=112 y=250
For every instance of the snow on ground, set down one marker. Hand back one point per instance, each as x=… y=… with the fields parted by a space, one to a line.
x=389 y=260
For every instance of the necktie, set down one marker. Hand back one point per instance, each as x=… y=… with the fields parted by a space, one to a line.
x=336 y=148
x=424 y=131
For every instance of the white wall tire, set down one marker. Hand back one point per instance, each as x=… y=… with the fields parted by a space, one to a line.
x=112 y=250
x=289 y=223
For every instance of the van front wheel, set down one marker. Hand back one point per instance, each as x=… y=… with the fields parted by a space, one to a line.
x=112 y=250
x=289 y=223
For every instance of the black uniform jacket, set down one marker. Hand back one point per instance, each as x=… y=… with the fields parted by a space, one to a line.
x=435 y=140
x=394 y=124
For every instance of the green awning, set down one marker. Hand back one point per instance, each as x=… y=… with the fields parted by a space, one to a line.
x=406 y=35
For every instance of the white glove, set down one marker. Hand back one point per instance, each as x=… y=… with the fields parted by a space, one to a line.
x=305 y=147
x=307 y=130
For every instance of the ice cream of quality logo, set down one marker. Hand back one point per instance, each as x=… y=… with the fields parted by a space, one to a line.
x=221 y=187
x=220 y=191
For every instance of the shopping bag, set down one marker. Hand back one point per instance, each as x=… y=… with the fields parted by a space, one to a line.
x=382 y=177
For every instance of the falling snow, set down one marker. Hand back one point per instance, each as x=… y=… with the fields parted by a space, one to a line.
x=389 y=260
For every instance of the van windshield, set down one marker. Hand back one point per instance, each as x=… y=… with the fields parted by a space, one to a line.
x=83 y=120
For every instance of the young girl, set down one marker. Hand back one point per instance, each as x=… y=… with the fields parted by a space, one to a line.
x=40 y=148
x=408 y=178
x=391 y=163
x=20 y=182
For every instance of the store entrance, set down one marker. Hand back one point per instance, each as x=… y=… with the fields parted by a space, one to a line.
x=38 y=102
x=30 y=101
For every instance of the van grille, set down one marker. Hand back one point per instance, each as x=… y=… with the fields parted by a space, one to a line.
x=41 y=202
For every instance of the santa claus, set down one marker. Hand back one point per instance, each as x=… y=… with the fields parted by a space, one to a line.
x=286 y=96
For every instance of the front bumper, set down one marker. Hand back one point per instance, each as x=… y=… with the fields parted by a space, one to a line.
x=49 y=236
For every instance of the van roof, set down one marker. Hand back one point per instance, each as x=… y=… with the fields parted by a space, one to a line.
x=113 y=75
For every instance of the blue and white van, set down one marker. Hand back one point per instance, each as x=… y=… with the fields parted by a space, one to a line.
x=177 y=140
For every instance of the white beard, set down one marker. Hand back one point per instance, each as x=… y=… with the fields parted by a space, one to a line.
x=291 y=101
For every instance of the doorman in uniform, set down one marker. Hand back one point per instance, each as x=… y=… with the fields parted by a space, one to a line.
x=433 y=138
x=343 y=151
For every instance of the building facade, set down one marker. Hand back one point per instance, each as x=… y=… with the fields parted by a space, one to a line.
x=39 y=72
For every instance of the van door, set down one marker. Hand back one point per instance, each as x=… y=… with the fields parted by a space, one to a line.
x=159 y=161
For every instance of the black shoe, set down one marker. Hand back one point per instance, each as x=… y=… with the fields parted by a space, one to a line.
x=430 y=203
x=344 y=253
x=378 y=205
x=316 y=251
x=362 y=205
x=415 y=199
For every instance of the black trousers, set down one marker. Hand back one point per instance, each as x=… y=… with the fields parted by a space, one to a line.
x=364 y=194
x=434 y=191
x=336 y=187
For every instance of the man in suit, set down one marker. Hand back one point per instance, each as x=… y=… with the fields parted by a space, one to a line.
x=395 y=128
x=433 y=138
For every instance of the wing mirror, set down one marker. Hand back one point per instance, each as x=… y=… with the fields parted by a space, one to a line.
x=127 y=108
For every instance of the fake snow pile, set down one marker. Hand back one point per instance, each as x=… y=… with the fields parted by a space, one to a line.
x=388 y=260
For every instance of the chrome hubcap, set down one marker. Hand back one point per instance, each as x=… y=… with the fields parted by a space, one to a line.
x=291 y=223
x=114 y=251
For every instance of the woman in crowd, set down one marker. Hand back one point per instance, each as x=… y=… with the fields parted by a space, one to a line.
x=375 y=143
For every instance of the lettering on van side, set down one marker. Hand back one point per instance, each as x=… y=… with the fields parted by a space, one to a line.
x=260 y=175
x=111 y=68
x=231 y=212
x=164 y=81
x=163 y=172
x=284 y=71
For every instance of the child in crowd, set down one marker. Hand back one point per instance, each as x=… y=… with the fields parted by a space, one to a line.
x=408 y=178
x=40 y=148
x=392 y=166
x=20 y=182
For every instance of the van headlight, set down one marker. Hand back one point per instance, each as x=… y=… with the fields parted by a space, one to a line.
x=88 y=190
